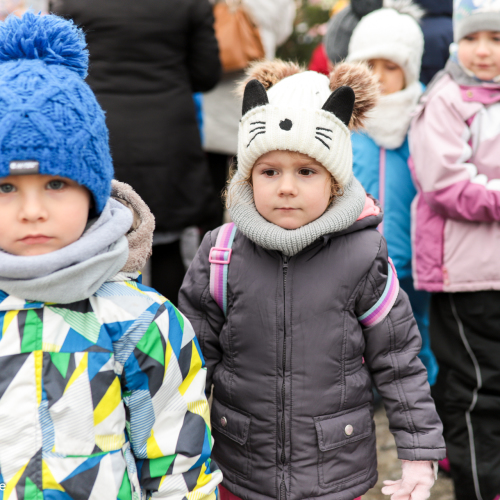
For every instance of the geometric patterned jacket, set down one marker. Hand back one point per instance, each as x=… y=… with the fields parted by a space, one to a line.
x=103 y=399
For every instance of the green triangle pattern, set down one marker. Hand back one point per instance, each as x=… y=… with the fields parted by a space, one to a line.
x=61 y=361
x=151 y=345
x=31 y=492
x=158 y=467
x=180 y=318
x=125 y=492
x=85 y=324
x=32 y=333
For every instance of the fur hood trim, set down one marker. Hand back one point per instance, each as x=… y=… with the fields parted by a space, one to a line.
x=140 y=235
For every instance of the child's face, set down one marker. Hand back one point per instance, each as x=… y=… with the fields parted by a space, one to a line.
x=290 y=189
x=390 y=75
x=41 y=213
x=480 y=53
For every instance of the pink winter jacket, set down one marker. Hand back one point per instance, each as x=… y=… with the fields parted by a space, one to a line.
x=455 y=147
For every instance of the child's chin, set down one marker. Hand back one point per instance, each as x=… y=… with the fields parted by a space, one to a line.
x=289 y=224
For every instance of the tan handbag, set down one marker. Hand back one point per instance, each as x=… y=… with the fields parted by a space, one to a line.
x=238 y=37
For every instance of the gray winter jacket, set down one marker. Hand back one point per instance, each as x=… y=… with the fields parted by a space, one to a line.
x=291 y=367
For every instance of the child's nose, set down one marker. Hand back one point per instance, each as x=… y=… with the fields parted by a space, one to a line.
x=33 y=209
x=288 y=185
x=483 y=49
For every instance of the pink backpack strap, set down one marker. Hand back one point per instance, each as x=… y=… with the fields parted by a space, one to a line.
x=383 y=306
x=219 y=258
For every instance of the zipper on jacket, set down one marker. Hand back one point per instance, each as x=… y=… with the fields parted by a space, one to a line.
x=283 y=430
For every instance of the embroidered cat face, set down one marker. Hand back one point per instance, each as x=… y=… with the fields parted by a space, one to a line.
x=300 y=113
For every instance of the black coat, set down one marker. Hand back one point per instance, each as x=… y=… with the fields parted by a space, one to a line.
x=437 y=27
x=288 y=372
x=147 y=57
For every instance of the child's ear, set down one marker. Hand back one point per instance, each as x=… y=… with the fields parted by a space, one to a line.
x=255 y=95
x=364 y=86
x=341 y=104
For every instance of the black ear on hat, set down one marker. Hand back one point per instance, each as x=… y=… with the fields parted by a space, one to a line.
x=255 y=95
x=341 y=104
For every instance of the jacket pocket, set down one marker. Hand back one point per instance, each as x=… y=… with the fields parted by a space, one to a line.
x=346 y=444
x=231 y=429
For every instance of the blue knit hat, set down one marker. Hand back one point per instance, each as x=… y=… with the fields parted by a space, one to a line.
x=470 y=16
x=50 y=121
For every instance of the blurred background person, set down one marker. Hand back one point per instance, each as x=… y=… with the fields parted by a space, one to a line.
x=222 y=109
x=391 y=42
x=147 y=59
x=342 y=24
x=436 y=25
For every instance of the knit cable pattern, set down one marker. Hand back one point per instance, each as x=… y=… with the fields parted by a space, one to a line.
x=47 y=111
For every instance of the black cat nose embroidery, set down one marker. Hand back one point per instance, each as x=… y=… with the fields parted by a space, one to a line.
x=286 y=124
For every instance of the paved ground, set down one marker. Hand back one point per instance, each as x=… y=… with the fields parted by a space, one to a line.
x=389 y=465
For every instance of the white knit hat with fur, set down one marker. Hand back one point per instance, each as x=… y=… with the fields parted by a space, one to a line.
x=286 y=108
x=393 y=33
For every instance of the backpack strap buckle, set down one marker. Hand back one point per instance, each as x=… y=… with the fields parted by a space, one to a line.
x=218 y=258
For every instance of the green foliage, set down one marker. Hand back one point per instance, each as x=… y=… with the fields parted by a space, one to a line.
x=310 y=23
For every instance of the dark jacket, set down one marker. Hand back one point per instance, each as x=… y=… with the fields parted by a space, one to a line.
x=341 y=26
x=146 y=60
x=291 y=367
x=437 y=27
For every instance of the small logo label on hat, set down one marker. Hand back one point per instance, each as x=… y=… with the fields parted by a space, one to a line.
x=24 y=167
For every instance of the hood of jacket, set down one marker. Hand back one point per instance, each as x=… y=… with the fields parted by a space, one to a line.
x=140 y=235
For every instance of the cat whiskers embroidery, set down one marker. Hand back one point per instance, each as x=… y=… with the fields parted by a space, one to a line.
x=260 y=128
x=320 y=131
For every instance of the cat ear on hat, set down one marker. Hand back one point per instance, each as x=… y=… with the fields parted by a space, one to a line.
x=260 y=77
x=341 y=104
x=355 y=91
x=255 y=95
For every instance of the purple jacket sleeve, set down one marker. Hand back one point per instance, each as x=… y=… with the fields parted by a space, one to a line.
x=391 y=354
x=441 y=151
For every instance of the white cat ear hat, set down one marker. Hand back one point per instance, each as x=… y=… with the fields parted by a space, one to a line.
x=286 y=108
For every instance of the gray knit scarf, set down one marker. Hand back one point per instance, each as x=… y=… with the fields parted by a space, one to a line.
x=76 y=271
x=343 y=212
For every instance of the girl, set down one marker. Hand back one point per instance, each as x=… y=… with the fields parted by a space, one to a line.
x=391 y=41
x=313 y=307
x=455 y=147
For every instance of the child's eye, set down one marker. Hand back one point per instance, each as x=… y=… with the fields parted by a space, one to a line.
x=6 y=188
x=270 y=173
x=306 y=172
x=56 y=185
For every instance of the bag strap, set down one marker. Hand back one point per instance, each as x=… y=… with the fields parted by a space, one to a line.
x=219 y=258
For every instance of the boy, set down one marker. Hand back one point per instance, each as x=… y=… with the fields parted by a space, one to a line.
x=101 y=379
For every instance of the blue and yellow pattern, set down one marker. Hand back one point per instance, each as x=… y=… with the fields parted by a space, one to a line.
x=103 y=399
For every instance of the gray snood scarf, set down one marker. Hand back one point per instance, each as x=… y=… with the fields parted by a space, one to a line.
x=341 y=214
x=76 y=271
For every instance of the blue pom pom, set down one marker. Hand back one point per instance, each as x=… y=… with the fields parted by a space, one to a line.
x=51 y=39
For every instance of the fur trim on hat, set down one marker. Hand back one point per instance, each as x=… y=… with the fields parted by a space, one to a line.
x=140 y=236
x=268 y=73
x=405 y=7
x=363 y=83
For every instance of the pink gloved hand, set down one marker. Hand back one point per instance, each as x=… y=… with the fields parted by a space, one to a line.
x=415 y=484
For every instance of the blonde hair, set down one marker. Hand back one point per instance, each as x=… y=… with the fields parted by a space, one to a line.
x=228 y=194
